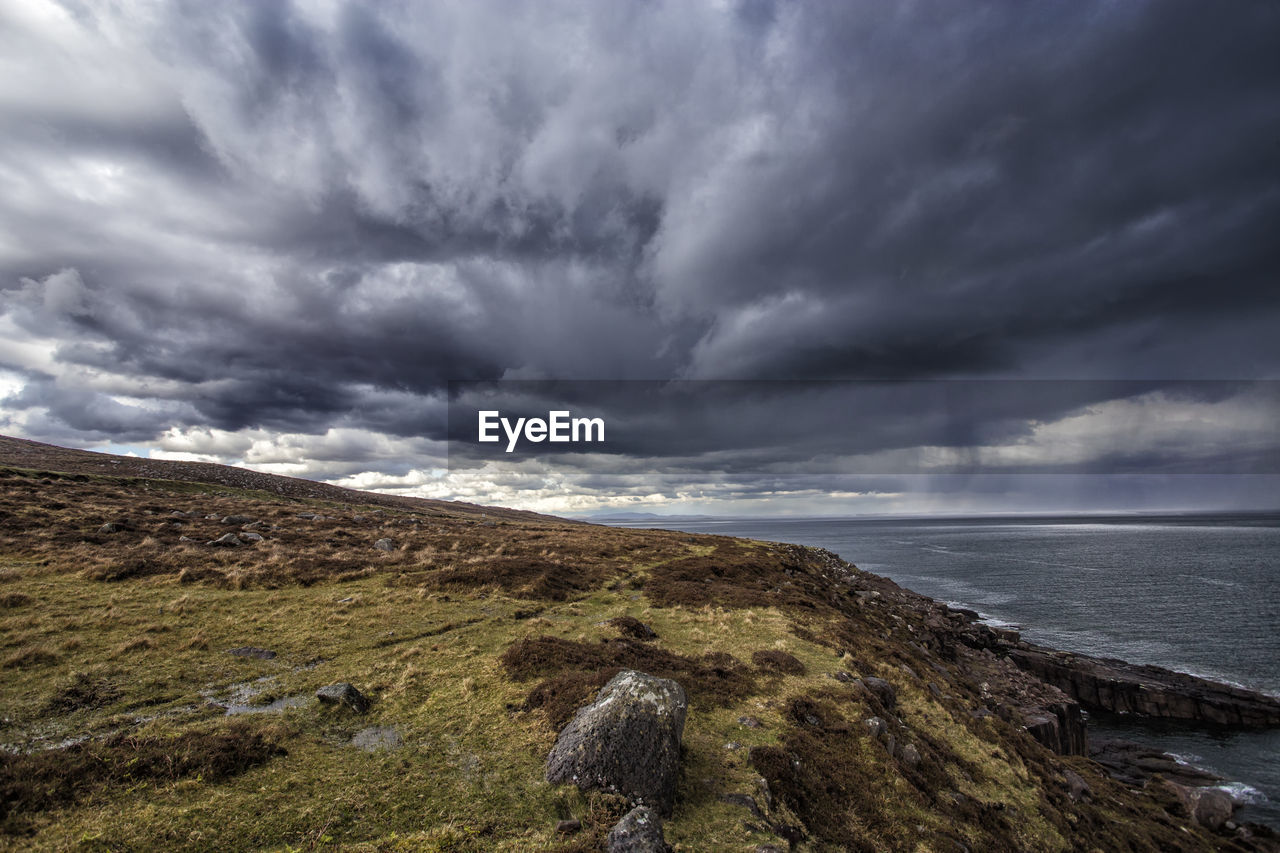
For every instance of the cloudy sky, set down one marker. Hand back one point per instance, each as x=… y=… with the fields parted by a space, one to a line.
x=272 y=233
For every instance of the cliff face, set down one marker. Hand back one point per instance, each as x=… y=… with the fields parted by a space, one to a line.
x=1149 y=691
x=159 y=689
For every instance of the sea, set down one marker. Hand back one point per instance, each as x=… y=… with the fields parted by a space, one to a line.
x=1196 y=593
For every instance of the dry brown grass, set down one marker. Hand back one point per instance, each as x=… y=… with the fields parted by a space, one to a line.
x=163 y=529
x=39 y=781
x=577 y=669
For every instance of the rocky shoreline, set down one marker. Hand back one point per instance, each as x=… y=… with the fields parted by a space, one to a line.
x=1119 y=687
x=1051 y=692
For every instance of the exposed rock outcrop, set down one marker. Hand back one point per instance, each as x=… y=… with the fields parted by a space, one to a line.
x=1113 y=685
x=1135 y=764
x=344 y=694
x=639 y=831
x=882 y=690
x=1209 y=807
x=1060 y=727
x=626 y=742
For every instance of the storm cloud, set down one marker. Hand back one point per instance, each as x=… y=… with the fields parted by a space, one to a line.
x=271 y=233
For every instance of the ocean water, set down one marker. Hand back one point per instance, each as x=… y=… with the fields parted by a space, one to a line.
x=1196 y=593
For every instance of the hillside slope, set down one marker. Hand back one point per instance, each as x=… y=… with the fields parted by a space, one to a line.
x=24 y=453
x=158 y=689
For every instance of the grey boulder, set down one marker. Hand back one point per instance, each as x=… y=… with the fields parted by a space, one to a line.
x=883 y=691
x=385 y=545
x=639 y=831
x=226 y=540
x=343 y=693
x=626 y=742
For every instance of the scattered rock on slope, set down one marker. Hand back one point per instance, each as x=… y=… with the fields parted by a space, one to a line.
x=626 y=742
x=1209 y=807
x=226 y=540
x=343 y=693
x=883 y=691
x=639 y=831
x=385 y=545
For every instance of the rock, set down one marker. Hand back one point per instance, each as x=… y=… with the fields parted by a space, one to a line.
x=236 y=519
x=385 y=545
x=377 y=737
x=639 y=831
x=1150 y=691
x=747 y=801
x=909 y=755
x=226 y=540
x=1058 y=726
x=878 y=726
x=310 y=516
x=749 y=722
x=1134 y=764
x=766 y=796
x=343 y=693
x=185 y=539
x=250 y=536
x=1077 y=788
x=883 y=691
x=1006 y=635
x=252 y=652
x=626 y=742
x=110 y=527
x=568 y=827
x=1209 y=807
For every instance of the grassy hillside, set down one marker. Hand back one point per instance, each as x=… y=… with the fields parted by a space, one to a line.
x=125 y=649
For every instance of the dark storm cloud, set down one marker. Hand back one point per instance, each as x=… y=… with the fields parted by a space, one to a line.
x=885 y=427
x=291 y=216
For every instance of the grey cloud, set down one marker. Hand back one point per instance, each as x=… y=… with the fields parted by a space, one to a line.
x=295 y=216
